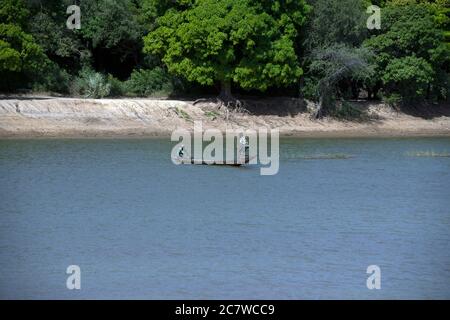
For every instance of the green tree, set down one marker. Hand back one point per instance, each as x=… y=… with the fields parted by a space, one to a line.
x=150 y=10
x=19 y=49
x=21 y=58
x=333 y=64
x=110 y=38
x=243 y=42
x=336 y=22
x=439 y=8
x=111 y=30
x=14 y=12
x=410 y=54
x=409 y=75
x=48 y=26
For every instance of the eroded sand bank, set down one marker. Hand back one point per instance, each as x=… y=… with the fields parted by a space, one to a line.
x=71 y=117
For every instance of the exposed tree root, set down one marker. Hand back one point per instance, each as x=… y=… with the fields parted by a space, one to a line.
x=203 y=100
x=231 y=105
x=226 y=103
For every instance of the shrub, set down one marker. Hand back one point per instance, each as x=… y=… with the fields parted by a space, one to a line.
x=394 y=100
x=348 y=112
x=97 y=86
x=117 y=87
x=53 y=79
x=310 y=89
x=91 y=84
x=149 y=82
x=409 y=76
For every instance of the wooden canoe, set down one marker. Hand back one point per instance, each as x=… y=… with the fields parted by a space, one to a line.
x=236 y=163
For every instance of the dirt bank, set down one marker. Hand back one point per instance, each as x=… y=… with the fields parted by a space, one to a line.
x=70 y=117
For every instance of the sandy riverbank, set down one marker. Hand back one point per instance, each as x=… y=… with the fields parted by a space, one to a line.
x=34 y=117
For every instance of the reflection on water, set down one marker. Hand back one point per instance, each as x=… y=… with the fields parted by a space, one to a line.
x=141 y=227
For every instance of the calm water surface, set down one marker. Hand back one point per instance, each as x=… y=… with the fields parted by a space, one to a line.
x=141 y=227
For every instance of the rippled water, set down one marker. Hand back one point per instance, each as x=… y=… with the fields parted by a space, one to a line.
x=140 y=227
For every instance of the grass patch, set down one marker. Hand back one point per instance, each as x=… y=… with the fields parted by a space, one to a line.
x=333 y=156
x=183 y=114
x=429 y=154
x=212 y=114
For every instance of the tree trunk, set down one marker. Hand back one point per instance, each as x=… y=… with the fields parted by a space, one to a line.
x=325 y=102
x=225 y=91
x=300 y=88
x=355 y=90
x=376 y=90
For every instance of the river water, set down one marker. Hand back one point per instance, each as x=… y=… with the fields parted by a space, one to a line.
x=140 y=227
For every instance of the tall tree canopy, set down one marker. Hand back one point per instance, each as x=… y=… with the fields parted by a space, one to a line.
x=60 y=44
x=110 y=38
x=410 y=53
x=20 y=56
x=335 y=63
x=137 y=47
x=111 y=31
x=336 y=22
x=248 y=43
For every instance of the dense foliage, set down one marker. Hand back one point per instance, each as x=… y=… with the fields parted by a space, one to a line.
x=318 y=49
x=243 y=42
x=21 y=58
x=410 y=53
